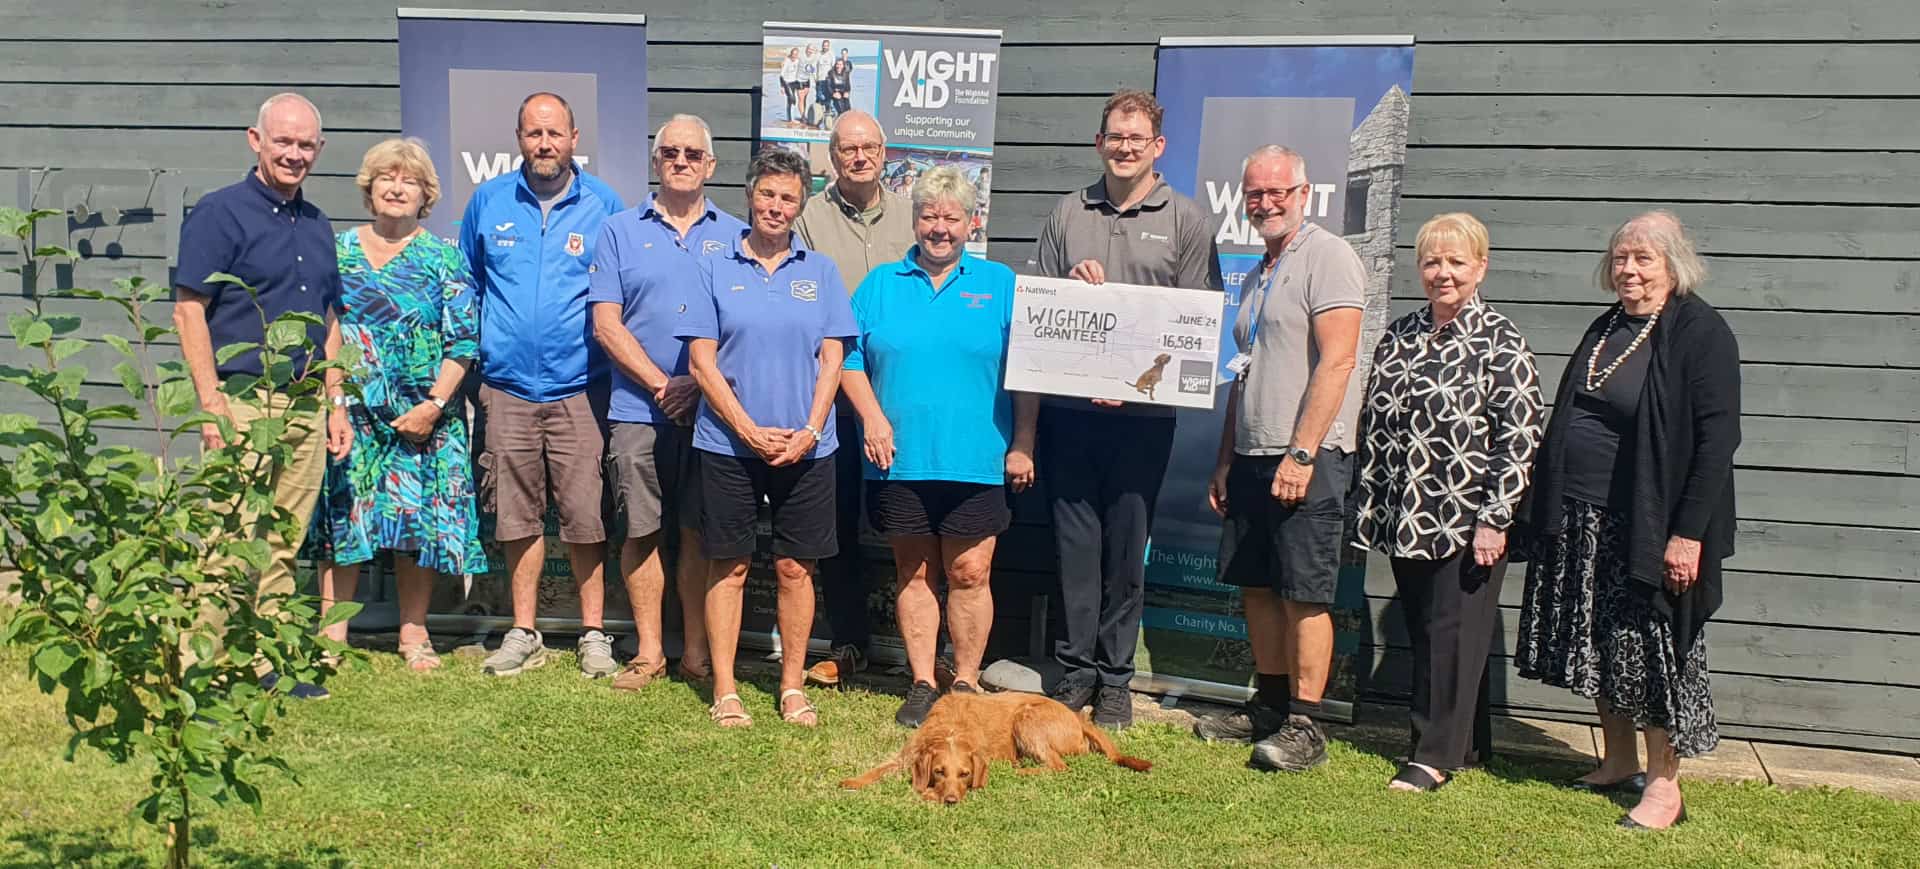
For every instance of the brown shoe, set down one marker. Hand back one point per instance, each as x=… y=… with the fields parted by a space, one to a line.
x=638 y=674
x=842 y=663
x=689 y=675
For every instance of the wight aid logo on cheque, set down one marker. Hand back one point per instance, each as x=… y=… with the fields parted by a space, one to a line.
x=805 y=291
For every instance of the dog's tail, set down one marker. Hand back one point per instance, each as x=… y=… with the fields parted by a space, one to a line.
x=1101 y=742
x=873 y=775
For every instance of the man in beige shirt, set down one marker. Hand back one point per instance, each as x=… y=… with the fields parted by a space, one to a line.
x=859 y=225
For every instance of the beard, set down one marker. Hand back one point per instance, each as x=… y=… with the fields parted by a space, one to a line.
x=546 y=168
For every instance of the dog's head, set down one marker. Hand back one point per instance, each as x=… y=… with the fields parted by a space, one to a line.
x=948 y=768
x=1163 y=359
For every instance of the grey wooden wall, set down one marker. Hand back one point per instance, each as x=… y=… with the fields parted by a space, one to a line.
x=1784 y=133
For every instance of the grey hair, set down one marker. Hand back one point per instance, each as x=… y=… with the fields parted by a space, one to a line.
x=260 y=120
x=695 y=120
x=777 y=161
x=1662 y=230
x=942 y=183
x=1274 y=152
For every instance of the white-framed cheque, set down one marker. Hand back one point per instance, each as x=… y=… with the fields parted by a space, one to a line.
x=1142 y=345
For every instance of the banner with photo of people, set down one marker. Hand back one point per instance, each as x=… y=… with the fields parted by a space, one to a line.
x=463 y=75
x=1342 y=103
x=934 y=92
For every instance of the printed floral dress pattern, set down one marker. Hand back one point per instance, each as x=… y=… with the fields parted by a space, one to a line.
x=404 y=319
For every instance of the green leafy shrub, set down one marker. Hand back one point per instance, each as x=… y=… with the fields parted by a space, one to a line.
x=135 y=575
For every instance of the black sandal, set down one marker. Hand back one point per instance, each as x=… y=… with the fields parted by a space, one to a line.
x=1419 y=779
x=1634 y=785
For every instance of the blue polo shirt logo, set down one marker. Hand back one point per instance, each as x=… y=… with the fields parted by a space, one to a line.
x=503 y=227
x=806 y=291
x=976 y=301
x=712 y=246
x=576 y=243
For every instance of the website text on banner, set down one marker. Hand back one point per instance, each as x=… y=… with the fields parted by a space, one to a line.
x=933 y=90
x=1341 y=102
x=1147 y=345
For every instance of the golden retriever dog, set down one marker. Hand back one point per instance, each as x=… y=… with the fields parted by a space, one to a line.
x=964 y=733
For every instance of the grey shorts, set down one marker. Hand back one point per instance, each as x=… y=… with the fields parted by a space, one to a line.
x=1295 y=551
x=649 y=466
x=536 y=449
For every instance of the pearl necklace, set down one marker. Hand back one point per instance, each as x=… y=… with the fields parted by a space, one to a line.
x=1597 y=380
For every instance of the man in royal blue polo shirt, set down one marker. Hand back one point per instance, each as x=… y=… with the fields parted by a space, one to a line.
x=530 y=236
x=645 y=266
x=263 y=231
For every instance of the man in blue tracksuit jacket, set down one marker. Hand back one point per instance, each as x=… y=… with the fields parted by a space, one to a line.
x=529 y=237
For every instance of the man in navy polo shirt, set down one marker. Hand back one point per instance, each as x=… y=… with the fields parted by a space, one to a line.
x=644 y=267
x=530 y=237
x=263 y=231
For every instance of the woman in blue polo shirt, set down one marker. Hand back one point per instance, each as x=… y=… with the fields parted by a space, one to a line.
x=765 y=332
x=943 y=440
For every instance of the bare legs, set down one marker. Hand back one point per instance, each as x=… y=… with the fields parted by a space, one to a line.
x=1620 y=752
x=967 y=564
x=646 y=583
x=1660 y=805
x=526 y=557
x=726 y=586
x=1290 y=637
x=338 y=582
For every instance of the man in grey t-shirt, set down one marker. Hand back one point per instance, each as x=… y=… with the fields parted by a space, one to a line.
x=1286 y=458
x=1102 y=462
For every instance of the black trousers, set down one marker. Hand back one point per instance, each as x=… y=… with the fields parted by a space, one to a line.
x=1452 y=609
x=842 y=581
x=1102 y=474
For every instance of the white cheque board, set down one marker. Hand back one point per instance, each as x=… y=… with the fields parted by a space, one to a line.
x=1147 y=345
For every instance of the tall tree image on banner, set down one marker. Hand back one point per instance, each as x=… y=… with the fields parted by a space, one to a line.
x=1341 y=102
x=934 y=91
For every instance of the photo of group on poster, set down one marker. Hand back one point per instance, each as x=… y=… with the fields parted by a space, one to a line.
x=817 y=79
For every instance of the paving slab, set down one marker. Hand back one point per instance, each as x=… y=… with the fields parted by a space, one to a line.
x=1795 y=766
x=1735 y=760
x=1539 y=737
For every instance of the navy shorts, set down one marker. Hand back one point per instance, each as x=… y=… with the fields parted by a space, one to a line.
x=899 y=508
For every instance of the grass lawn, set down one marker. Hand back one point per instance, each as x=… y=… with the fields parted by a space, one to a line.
x=461 y=769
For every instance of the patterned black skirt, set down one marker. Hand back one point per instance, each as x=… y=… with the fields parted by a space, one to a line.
x=1588 y=626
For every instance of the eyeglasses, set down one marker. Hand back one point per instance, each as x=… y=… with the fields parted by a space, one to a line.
x=670 y=153
x=1275 y=195
x=851 y=151
x=1127 y=143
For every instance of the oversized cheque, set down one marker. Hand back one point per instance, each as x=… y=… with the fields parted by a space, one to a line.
x=1149 y=345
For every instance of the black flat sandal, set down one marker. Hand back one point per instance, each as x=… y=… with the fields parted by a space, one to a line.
x=1419 y=779
x=1627 y=822
x=1635 y=785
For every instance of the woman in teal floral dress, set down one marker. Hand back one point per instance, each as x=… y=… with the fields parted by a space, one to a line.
x=409 y=310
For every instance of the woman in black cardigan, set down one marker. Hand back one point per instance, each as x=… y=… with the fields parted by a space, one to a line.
x=1631 y=514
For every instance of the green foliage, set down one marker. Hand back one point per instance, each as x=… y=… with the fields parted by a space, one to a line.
x=135 y=568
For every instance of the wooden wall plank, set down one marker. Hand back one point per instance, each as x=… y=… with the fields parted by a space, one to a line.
x=319 y=62
x=1816 y=123
x=1683 y=175
x=1827 y=550
x=1733 y=282
x=1770 y=69
x=1130 y=21
x=1718 y=228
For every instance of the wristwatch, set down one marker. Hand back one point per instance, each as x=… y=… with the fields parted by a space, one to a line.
x=1300 y=454
x=439 y=403
x=340 y=400
x=817 y=436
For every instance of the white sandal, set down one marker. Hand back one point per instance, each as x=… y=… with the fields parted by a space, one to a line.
x=793 y=717
x=721 y=717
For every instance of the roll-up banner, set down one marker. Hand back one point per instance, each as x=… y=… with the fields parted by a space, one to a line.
x=1342 y=103
x=463 y=75
x=933 y=90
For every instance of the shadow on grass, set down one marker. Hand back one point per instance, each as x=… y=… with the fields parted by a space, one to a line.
x=101 y=848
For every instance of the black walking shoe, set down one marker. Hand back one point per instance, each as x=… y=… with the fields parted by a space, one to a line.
x=919 y=702
x=1256 y=720
x=1114 y=710
x=1298 y=746
x=1073 y=695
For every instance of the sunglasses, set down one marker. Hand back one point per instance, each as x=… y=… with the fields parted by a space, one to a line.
x=670 y=153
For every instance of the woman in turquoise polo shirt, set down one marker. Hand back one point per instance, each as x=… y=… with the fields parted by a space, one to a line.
x=943 y=440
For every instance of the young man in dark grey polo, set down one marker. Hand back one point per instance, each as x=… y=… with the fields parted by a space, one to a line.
x=1102 y=462
x=1286 y=458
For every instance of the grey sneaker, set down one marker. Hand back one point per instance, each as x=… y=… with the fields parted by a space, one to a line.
x=596 y=655
x=520 y=650
x=1298 y=746
x=1256 y=720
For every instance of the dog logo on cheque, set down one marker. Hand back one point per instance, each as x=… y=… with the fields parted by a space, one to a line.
x=805 y=291
x=576 y=243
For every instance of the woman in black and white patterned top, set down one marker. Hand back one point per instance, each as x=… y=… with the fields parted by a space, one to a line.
x=1450 y=426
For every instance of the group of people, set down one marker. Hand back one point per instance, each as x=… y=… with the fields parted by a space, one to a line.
x=841 y=354
x=817 y=86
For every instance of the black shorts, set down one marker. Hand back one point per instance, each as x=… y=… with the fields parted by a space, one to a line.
x=800 y=494
x=899 y=508
x=650 y=467
x=1293 y=550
